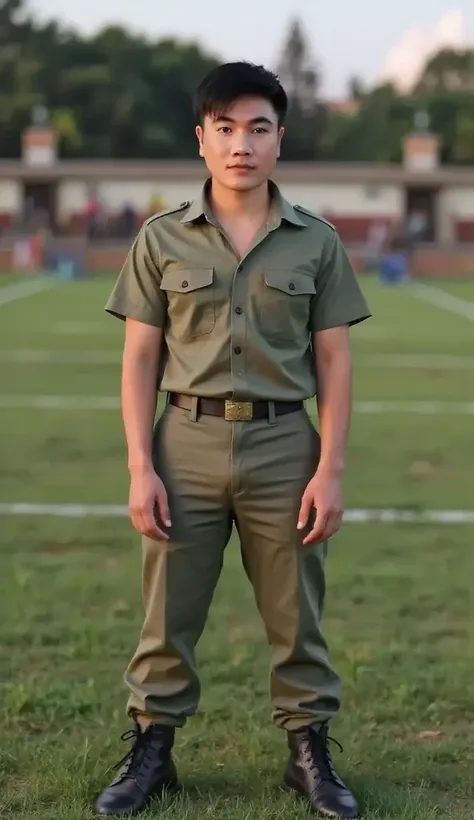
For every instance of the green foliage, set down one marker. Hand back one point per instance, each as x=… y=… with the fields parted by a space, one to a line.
x=119 y=95
x=112 y=95
x=306 y=121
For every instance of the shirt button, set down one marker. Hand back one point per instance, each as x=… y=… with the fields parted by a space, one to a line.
x=237 y=350
x=184 y=284
x=238 y=310
x=291 y=285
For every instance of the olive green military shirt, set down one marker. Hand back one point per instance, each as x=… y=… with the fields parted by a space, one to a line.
x=238 y=327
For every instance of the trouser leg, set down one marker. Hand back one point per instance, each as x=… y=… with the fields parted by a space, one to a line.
x=180 y=575
x=272 y=466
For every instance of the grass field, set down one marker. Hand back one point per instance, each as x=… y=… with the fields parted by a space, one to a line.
x=400 y=600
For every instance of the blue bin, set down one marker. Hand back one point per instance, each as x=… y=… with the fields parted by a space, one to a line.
x=393 y=268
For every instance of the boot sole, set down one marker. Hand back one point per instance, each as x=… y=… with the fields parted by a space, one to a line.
x=170 y=790
x=292 y=786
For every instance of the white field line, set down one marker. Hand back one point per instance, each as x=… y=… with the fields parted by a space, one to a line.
x=373 y=332
x=75 y=328
x=429 y=408
x=57 y=357
x=415 y=361
x=10 y=293
x=83 y=328
x=442 y=299
x=423 y=408
x=60 y=402
x=354 y=516
x=411 y=361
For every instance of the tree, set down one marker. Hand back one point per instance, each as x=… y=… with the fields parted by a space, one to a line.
x=447 y=71
x=112 y=95
x=18 y=68
x=299 y=76
x=120 y=96
x=356 y=88
x=374 y=132
x=463 y=146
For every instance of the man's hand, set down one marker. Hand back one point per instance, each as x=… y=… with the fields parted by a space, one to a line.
x=324 y=494
x=148 y=494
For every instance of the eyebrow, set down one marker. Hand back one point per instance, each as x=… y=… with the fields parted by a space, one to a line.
x=254 y=121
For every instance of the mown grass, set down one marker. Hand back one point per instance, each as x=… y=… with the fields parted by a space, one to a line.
x=400 y=597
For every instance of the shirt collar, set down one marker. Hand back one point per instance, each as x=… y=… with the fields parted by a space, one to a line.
x=198 y=208
x=280 y=209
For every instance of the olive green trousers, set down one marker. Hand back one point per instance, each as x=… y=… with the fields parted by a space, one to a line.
x=252 y=474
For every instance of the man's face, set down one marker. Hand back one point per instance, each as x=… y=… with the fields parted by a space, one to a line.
x=241 y=148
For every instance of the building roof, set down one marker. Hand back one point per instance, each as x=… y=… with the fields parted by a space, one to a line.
x=290 y=172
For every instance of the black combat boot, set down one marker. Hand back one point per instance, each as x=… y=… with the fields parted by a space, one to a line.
x=147 y=770
x=311 y=773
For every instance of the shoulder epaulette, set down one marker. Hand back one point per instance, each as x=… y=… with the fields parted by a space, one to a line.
x=174 y=210
x=315 y=216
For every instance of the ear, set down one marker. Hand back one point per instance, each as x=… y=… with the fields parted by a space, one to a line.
x=281 y=132
x=199 y=135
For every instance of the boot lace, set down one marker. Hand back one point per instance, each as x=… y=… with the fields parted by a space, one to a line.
x=140 y=755
x=318 y=756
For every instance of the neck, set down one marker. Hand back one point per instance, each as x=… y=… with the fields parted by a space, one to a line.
x=228 y=204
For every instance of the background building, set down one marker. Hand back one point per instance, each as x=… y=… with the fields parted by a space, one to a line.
x=104 y=202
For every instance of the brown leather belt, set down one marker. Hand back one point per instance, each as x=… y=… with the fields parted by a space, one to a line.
x=234 y=410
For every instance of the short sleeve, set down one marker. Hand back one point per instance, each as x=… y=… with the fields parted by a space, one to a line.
x=137 y=293
x=339 y=299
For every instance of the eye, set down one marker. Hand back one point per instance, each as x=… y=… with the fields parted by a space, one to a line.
x=225 y=129
x=260 y=130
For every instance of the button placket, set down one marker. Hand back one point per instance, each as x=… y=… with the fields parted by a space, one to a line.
x=238 y=324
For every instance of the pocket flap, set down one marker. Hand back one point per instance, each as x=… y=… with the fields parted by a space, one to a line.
x=289 y=282
x=186 y=280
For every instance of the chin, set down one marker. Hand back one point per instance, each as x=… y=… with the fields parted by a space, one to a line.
x=244 y=184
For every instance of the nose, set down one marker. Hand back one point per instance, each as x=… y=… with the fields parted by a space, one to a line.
x=241 y=146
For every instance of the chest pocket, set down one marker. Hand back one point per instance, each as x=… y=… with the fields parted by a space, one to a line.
x=191 y=302
x=285 y=304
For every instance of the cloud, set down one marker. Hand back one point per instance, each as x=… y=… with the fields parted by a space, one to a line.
x=405 y=59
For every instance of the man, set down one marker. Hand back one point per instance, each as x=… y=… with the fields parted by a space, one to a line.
x=237 y=304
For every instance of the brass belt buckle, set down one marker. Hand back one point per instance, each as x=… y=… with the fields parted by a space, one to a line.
x=238 y=410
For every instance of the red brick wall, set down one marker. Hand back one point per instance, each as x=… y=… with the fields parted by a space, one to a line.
x=6 y=220
x=5 y=260
x=464 y=230
x=429 y=263
x=355 y=228
x=435 y=263
x=352 y=229
x=442 y=264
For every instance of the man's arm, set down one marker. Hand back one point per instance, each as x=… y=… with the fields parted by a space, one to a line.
x=334 y=401
x=138 y=300
x=140 y=364
x=338 y=304
x=333 y=364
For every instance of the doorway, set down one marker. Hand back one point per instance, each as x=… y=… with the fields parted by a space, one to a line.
x=420 y=214
x=39 y=205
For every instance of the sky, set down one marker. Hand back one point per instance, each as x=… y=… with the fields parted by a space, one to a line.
x=364 y=38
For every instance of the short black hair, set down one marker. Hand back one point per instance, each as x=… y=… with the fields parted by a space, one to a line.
x=227 y=82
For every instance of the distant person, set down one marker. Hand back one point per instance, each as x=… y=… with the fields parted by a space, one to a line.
x=377 y=236
x=417 y=225
x=394 y=265
x=156 y=205
x=239 y=305
x=128 y=221
x=93 y=216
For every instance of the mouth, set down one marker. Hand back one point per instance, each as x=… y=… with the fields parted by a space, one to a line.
x=241 y=167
